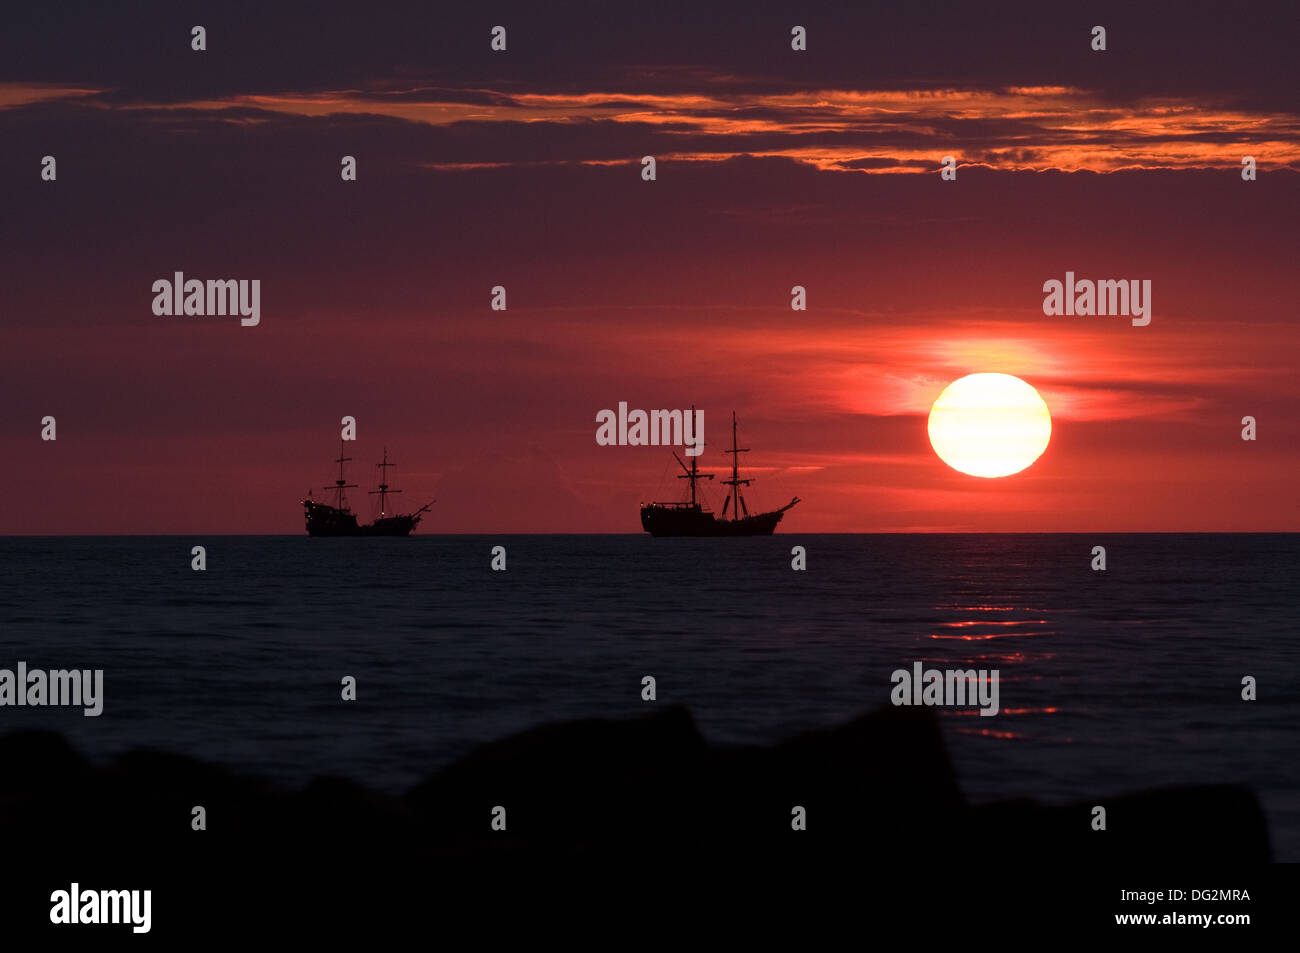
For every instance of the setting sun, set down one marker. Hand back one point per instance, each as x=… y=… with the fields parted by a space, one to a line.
x=989 y=425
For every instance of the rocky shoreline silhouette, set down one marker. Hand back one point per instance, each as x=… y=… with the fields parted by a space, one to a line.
x=592 y=799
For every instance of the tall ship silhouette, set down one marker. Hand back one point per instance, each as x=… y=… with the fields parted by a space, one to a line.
x=339 y=520
x=690 y=518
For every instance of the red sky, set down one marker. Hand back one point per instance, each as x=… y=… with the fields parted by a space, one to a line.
x=375 y=294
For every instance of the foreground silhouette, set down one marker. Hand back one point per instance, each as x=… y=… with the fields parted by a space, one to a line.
x=585 y=801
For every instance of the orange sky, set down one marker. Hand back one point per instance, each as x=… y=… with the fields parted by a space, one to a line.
x=664 y=294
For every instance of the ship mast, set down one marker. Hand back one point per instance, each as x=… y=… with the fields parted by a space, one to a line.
x=693 y=472
x=340 y=499
x=383 y=490
x=736 y=500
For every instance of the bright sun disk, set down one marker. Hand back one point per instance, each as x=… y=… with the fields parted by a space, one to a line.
x=989 y=425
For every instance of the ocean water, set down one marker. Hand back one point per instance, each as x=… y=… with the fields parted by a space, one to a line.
x=1109 y=681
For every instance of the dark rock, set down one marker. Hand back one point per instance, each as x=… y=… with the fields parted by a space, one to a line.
x=598 y=792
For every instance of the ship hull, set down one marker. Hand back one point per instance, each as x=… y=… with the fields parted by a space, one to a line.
x=390 y=526
x=323 y=520
x=685 y=521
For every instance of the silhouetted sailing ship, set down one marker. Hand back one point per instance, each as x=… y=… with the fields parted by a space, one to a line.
x=691 y=519
x=339 y=520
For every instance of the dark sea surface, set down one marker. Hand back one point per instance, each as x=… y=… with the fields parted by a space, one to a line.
x=1110 y=681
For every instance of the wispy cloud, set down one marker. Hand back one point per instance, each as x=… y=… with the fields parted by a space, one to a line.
x=860 y=130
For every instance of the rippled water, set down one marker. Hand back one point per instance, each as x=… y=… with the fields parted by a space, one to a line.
x=1110 y=681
